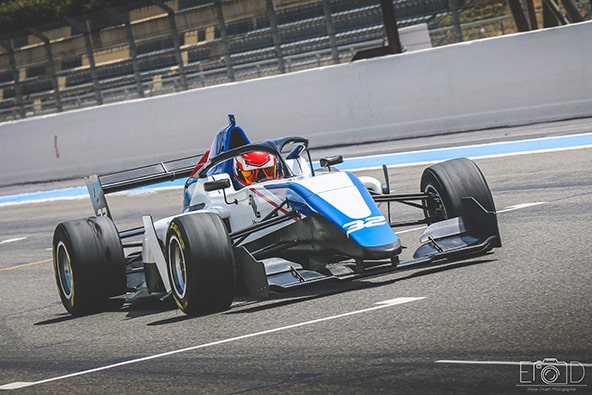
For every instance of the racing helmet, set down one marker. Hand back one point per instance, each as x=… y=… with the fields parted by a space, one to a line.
x=255 y=166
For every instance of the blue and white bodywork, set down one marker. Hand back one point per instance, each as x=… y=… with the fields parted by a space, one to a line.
x=339 y=198
x=317 y=218
x=345 y=202
x=302 y=226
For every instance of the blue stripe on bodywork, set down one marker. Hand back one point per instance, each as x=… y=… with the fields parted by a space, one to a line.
x=373 y=236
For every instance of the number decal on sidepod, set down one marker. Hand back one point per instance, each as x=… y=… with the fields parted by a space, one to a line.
x=360 y=224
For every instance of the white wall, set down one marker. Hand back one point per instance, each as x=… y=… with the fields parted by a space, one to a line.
x=510 y=80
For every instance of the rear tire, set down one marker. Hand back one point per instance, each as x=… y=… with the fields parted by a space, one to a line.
x=88 y=263
x=448 y=182
x=200 y=264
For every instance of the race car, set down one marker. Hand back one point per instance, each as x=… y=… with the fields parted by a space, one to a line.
x=261 y=218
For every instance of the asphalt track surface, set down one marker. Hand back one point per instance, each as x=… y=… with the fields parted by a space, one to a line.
x=462 y=327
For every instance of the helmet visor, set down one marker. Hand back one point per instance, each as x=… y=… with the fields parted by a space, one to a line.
x=267 y=173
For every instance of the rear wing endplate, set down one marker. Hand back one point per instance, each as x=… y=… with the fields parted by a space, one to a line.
x=100 y=185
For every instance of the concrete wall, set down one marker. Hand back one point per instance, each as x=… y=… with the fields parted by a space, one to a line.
x=510 y=80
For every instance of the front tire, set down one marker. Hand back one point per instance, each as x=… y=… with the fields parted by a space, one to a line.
x=88 y=263
x=200 y=264
x=448 y=183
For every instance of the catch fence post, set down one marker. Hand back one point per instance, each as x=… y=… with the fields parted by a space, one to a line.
x=277 y=44
x=132 y=48
x=224 y=38
x=51 y=66
x=176 y=40
x=331 y=31
x=85 y=29
x=18 y=91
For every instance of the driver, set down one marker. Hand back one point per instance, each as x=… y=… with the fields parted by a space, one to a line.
x=255 y=166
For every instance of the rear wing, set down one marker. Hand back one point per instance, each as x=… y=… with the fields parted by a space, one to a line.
x=100 y=185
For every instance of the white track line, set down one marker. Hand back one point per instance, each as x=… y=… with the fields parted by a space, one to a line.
x=411 y=230
x=12 y=240
x=379 y=305
x=519 y=206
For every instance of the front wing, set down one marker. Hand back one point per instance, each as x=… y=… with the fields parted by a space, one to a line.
x=474 y=233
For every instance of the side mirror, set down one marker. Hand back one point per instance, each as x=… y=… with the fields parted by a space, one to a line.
x=331 y=160
x=216 y=185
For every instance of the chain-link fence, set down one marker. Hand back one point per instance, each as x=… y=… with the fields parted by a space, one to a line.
x=156 y=48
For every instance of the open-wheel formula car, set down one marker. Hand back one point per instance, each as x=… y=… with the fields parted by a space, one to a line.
x=260 y=218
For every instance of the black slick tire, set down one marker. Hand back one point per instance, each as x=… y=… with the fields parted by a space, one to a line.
x=88 y=263
x=200 y=263
x=448 y=183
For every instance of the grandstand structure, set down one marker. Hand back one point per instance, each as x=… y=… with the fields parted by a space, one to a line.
x=158 y=47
